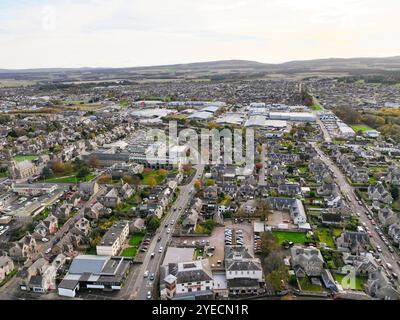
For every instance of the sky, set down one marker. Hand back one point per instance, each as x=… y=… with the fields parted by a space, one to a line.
x=128 y=33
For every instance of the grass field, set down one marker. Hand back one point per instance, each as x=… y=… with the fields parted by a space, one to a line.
x=23 y=158
x=295 y=237
x=136 y=239
x=360 y=281
x=361 y=127
x=129 y=252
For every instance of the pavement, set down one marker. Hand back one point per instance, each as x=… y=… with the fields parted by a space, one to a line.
x=143 y=285
x=348 y=192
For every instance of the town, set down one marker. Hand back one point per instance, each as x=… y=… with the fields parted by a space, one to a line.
x=86 y=213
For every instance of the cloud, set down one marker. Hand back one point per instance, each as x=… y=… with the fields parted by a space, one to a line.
x=69 y=33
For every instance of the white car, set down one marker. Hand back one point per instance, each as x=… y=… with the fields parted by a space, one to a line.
x=45 y=240
x=148 y=295
x=168 y=230
x=160 y=250
x=48 y=250
x=146 y=274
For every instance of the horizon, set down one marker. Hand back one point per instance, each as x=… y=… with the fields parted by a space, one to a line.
x=199 y=62
x=99 y=34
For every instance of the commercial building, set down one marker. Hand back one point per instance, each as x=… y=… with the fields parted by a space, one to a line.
x=94 y=272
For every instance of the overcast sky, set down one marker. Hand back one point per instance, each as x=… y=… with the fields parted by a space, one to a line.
x=121 y=33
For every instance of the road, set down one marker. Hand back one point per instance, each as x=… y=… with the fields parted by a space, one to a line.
x=143 y=285
x=347 y=190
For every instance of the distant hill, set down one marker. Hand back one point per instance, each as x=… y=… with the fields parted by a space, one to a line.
x=212 y=69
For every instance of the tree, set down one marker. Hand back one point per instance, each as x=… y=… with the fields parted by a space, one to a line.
x=268 y=243
x=127 y=179
x=105 y=178
x=93 y=162
x=152 y=223
x=290 y=169
x=197 y=185
x=152 y=182
x=259 y=166
x=147 y=170
x=263 y=209
x=58 y=166
x=187 y=168
x=162 y=173
x=83 y=172
x=209 y=182
x=47 y=172
x=394 y=192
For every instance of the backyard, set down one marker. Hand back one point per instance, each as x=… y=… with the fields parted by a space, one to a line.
x=23 y=158
x=295 y=237
x=359 y=283
x=325 y=236
x=134 y=243
x=306 y=285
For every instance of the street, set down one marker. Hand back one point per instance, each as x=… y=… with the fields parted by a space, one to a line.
x=347 y=190
x=143 y=285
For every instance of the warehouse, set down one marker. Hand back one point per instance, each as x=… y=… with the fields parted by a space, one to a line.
x=292 y=116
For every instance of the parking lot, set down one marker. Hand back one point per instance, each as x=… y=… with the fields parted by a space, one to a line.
x=217 y=239
x=279 y=217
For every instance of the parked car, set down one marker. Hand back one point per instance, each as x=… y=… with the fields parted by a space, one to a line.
x=151 y=276
x=152 y=255
x=148 y=295
x=146 y=274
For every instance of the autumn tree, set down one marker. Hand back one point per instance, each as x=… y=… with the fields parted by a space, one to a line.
x=152 y=182
x=93 y=162
x=197 y=185
x=104 y=179
x=127 y=179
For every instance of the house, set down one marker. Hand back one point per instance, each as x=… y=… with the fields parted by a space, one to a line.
x=294 y=206
x=88 y=189
x=394 y=232
x=379 y=193
x=210 y=193
x=246 y=192
x=81 y=226
x=387 y=217
x=62 y=212
x=306 y=261
x=40 y=277
x=24 y=249
x=113 y=240
x=289 y=189
x=244 y=273
x=186 y=280
x=137 y=225
x=69 y=243
x=328 y=280
x=189 y=223
x=126 y=191
x=111 y=199
x=393 y=176
x=379 y=286
x=353 y=241
x=94 y=272
x=6 y=267
x=333 y=217
x=363 y=263
x=96 y=211
x=48 y=226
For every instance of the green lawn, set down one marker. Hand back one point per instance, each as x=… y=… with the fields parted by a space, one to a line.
x=308 y=286
x=70 y=179
x=337 y=232
x=325 y=236
x=22 y=158
x=360 y=281
x=136 y=239
x=316 y=107
x=129 y=252
x=296 y=237
x=361 y=127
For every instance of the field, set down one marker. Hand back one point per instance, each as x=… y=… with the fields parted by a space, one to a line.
x=295 y=237
x=360 y=281
x=23 y=158
x=361 y=127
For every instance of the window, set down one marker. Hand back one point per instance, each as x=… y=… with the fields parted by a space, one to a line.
x=189 y=289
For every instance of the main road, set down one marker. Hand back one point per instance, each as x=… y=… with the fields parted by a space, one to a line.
x=348 y=191
x=143 y=285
